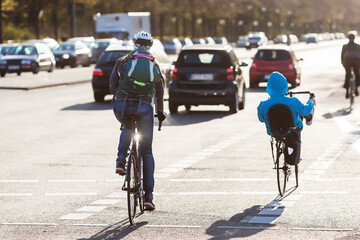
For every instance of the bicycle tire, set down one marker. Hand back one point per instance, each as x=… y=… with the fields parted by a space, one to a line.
x=140 y=184
x=352 y=90
x=131 y=188
x=297 y=174
x=281 y=171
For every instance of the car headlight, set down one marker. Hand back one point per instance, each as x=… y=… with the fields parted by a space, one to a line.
x=66 y=56
x=25 y=62
x=3 y=62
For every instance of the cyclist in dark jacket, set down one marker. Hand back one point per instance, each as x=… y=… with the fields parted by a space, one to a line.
x=350 y=59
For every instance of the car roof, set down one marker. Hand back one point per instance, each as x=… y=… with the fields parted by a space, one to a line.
x=119 y=47
x=208 y=47
x=275 y=47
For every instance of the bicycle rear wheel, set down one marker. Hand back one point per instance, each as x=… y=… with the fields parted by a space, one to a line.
x=131 y=188
x=282 y=171
x=352 y=90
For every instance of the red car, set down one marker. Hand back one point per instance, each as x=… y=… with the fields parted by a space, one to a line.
x=275 y=58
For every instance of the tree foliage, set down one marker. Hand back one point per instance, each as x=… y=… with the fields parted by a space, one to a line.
x=193 y=18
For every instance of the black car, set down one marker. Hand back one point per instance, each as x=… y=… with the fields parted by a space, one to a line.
x=106 y=62
x=27 y=58
x=207 y=75
x=72 y=54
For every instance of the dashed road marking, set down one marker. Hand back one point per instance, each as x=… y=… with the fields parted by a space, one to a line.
x=105 y=202
x=263 y=220
x=76 y=216
x=248 y=228
x=91 y=208
x=16 y=194
x=19 y=181
x=72 y=194
x=71 y=181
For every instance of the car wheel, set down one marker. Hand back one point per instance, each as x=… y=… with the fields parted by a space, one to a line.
x=88 y=63
x=234 y=103
x=2 y=74
x=18 y=73
x=99 y=97
x=173 y=107
x=73 y=64
x=51 y=68
x=242 y=103
x=35 y=68
x=188 y=107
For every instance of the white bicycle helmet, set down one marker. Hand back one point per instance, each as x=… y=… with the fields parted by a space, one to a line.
x=143 y=39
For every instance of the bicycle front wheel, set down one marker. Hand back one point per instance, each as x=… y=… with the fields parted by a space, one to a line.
x=282 y=171
x=352 y=91
x=131 y=188
x=140 y=184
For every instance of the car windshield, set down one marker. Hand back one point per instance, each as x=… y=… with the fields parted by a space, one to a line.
x=100 y=45
x=204 y=57
x=23 y=50
x=272 y=55
x=109 y=58
x=255 y=38
x=5 y=49
x=65 y=47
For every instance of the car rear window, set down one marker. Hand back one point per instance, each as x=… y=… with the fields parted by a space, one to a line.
x=204 y=58
x=109 y=58
x=272 y=55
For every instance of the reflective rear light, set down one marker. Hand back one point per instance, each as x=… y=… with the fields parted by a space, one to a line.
x=253 y=66
x=98 y=72
x=230 y=77
x=230 y=73
x=291 y=66
x=173 y=75
x=229 y=70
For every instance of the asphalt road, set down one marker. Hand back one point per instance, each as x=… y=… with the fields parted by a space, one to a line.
x=214 y=176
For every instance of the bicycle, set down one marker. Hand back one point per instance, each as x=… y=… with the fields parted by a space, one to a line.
x=351 y=87
x=281 y=120
x=133 y=182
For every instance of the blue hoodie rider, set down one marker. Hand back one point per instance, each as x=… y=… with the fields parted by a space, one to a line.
x=277 y=87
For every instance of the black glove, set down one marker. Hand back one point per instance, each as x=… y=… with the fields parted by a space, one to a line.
x=161 y=116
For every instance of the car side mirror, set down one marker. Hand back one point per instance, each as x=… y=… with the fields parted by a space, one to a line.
x=301 y=59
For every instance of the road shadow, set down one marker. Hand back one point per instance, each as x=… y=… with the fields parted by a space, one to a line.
x=193 y=117
x=90 y=106
x=250 y=222
x=337 y=113
x=116 y=231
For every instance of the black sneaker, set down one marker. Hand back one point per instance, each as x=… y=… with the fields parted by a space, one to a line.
x=148 y=204
x=120 y=168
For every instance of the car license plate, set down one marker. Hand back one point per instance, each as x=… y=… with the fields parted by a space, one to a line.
x=201 y=76
x=13 y=67
x=57 y=59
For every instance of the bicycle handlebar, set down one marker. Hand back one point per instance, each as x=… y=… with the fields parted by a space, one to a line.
x=155 y=115
x=312 y=95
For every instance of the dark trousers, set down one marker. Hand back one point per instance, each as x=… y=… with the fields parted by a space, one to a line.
x=351 y=64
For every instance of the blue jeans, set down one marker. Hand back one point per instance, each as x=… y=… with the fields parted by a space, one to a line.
x=145 y=126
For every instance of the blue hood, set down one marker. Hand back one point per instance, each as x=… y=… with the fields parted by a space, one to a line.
x=277 y=85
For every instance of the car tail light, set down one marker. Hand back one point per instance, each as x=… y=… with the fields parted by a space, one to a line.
x=230 y=73
x=253 y=66
x=98 y=72
x=173 y=74
x=291 y=66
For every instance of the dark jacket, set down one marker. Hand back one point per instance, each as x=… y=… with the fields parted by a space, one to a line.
x=350 y=50
x=119 y=94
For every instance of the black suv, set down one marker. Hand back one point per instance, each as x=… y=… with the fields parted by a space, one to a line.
x=107 y=60
x=207 y=75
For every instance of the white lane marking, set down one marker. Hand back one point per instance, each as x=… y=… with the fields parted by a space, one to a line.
x=16 y=194
x=248 y=228
x=105 y=202
x=91 y=208
x=272 y=211
x=323 y=229
x=31 y=224
x=71 y=181
x=280 y=204
x=260 y=193
x=72 y=194
x=191 y=180
x=263 y=220
x=19 y=181
x=170 y=226
x=76 y=216
x=323 y=192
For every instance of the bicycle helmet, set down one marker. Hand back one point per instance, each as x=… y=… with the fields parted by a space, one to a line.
x=143 y=39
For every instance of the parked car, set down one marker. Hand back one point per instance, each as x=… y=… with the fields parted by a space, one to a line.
x=89 y=41
x=280 y=39
x=72 y=54
x=257 y=39
x=50 y=42
x=5 y=48
x=99 y=46
x=279 y=58
x=221 y=40
x=198 y=41
x=186 y=42
x=209 y=40
x=243 y=42
x=106 y=62
x=172 y=46
x=207 y=75
x=27 y=58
